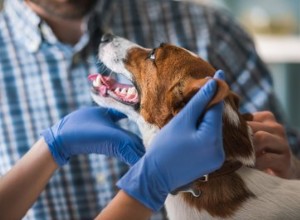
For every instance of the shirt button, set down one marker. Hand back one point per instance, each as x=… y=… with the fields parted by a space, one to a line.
x=33 y=46
x=100 y=178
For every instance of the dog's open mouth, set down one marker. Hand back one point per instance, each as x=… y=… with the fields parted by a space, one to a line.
x=107 y=86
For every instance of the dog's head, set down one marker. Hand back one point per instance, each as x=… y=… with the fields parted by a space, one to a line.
x=163 y=80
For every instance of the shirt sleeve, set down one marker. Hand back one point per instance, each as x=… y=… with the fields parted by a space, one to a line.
x=232 y=50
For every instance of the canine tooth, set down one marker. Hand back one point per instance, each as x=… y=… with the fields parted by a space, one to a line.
x=117 y=90
x=98 y=80
x=95 y=83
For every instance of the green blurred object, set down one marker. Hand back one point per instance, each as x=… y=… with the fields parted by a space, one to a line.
x=272 y=17
x=278 y=21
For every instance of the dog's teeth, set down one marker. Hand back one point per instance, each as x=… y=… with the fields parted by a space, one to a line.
x=124 y=91
x=98 y=80
x=95 y=83
x=131 y=91
x=117 y=90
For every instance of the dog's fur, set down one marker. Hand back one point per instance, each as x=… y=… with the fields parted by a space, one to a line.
x=165 y=79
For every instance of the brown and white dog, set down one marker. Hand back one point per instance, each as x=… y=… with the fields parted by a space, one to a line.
x=163 y=80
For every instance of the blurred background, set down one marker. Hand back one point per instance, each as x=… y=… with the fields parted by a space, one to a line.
x=275 y=27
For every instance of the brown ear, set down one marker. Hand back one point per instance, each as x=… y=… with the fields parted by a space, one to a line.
x=221 y=93
x=190 y=89
x=235 y=99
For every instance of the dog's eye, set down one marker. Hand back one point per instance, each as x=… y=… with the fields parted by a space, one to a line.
x=151 y=55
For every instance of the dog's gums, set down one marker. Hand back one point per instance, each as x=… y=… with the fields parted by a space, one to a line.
x=107 y=86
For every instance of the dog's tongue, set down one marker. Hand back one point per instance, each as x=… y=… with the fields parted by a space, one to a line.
x=107 y=83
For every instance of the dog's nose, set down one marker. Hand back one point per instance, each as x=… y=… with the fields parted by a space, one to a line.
x=106 y=38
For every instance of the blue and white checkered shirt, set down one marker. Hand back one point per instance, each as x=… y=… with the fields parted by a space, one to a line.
x=42 y=79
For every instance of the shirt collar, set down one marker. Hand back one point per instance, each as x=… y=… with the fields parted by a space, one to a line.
x=25 y=24
x=30 y=29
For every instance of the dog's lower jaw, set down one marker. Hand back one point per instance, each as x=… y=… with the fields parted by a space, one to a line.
x=147 y=130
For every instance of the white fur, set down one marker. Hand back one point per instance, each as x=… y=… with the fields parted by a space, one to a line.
x=177 y=209
x=250 y=161
x=231 y=114
x=234 y=120
x=276 y=198
x=147 y=130
x=113 y=53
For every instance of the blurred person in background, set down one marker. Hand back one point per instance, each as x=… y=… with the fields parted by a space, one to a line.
x=47 y=50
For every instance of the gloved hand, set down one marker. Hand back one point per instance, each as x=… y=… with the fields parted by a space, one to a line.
x=184 y=150
x=92 y=130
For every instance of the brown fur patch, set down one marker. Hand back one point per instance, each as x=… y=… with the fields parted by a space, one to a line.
x=221 y=196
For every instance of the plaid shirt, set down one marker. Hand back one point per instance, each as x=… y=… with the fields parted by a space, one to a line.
x=42 y=79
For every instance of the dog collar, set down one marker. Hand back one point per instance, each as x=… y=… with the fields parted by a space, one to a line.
x=227 y=168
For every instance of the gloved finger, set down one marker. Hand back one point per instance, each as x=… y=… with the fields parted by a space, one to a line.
x=130 y=156
x=196 y=106
x=115 y=115
x=213 y=117
x=219 y=75
x=133 y=141
x=138 y=146
x=132 y=150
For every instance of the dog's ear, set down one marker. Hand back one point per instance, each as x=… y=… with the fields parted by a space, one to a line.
x=190 y=89
x=234 y=99
x=221 y=93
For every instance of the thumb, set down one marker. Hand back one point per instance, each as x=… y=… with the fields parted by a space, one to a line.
x=130 y=156
x=213 y=116
x=196 y=106
x=132 y=150
x=219 y=75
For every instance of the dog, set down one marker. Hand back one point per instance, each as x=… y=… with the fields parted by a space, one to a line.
x=163 y=80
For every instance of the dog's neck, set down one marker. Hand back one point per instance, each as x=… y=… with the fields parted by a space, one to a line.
x=229 y=184
x=147 y=130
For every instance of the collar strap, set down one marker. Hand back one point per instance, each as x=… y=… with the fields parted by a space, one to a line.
x=227 y=168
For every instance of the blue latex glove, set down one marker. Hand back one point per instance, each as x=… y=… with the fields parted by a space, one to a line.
x=184 y=150
x=92 y=130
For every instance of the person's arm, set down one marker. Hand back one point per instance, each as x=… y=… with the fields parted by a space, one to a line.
x=123 y=207
x=21 y=186
x=97 y=133
x=273 y=153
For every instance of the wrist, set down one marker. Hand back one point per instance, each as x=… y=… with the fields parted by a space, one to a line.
x=44 y=149
x=55 y=150
x=144 y=185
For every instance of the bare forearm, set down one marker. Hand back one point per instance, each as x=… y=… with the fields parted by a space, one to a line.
x=21 y=186
x=124 y=206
